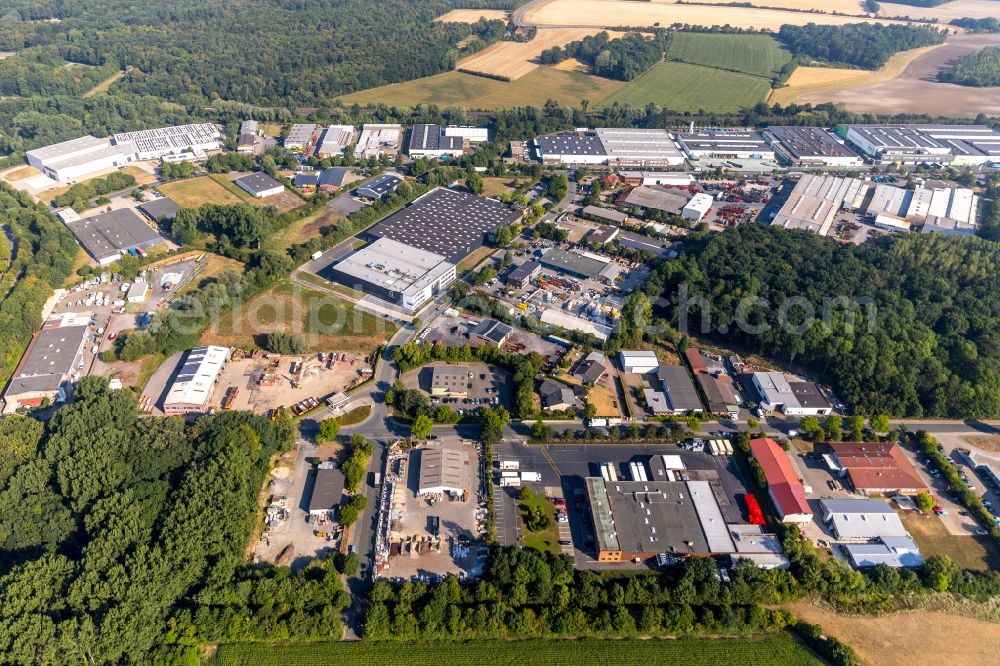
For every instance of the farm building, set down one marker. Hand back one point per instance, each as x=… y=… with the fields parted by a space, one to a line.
x=793 y=398
x=446 y=222
x=50 y=363
x=783 y=484
x=431 y=141
x=259 y=185
x=639 y=362
x=445 y=471
x=521 y=276
x=379 y=139
x=381 y=185
x=328 y=489
x=160 y=209
x=875 y=467
x=679 y=389
x=107 y=236
x=450 y=380
x=301 y=138
x=336 y=139
x=394 y=272
x=556 y=396
x=697 y=207
x=810 y=146
x=192 y=388
x=725 y=144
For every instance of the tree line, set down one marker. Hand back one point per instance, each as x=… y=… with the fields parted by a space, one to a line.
x=864 y=45
x=980 y=69
x=623 y=58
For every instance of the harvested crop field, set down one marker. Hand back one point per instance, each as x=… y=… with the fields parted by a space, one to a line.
x=472 y=15
x=602 y=13
x=682 y=87
x=512 y=60
x=829 y=6
x=477 y=92
x=573 y=65
x=194 y=192
x=945 y=12
x=751 y=54
x=904 y=639
x=914 y=89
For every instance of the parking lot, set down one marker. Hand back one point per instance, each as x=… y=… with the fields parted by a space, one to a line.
x=458 y=331
x=488 y=386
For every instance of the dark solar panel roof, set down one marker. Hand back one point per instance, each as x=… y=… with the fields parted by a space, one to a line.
x=446 y=222
x=431 y=137
x=386 y=182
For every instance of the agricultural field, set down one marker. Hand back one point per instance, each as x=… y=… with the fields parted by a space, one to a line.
x=601 y=13
x=921 y=637
x=682 y=87
x=778 y=649
x=322 y=320
x=193 y=192
x=829 y=6
x=477 y=92
x=759 y=55
x=512 y=60
x=472 y=15
x=943 y=13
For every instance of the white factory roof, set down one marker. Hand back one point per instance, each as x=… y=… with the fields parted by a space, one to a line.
x=177 y=137
x=901 y=551
x=574 y=323
x=775 y=389
x=395 y=266
x=336 y=138
x=638 y=144
x=378 y=138
x=710 y=516
x=68 y=148
x=700 y=202
x=196 y=380
x=862 y=518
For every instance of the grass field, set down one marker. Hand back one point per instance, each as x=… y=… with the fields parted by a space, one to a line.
x=473 y=259
x=752 y=54
x=683 y=87
x=546 y=540
x=211 y=266
x=323 y=321
x=355 y=416
x=472 y=15
x=21 y=173
x=512 y=60
x=105 y=84
x=477 y=92
x=968 y=552
x=194 y=192
x=778 y=649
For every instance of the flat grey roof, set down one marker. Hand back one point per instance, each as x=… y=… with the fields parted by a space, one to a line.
x=805 y=142
x=655 y=517
x=386 y=182
x=327 y=489
x=808 y=394
x=654 y=196
x=572 y=143
x=446 y=222
x=645 y=243
x=164 y=208
x=572 y=262
x=450 y=376
x=605 y=213
x=525 y=271
x=449 y=469
x=394 y=266
x=49 y=360
x=58 y=150
x=108 y=234
x=257 y=182
x=627 y=143
x=300 y=134
x=679 y=388
x=722 y=140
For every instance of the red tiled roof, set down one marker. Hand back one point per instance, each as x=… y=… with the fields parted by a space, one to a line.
x=782 y=480
x=877 y=466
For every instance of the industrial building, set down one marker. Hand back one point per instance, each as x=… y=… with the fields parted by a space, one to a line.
x=861 y=519
x=656 y=198
x=720 y=394
x=153 y=144
x=522 y=275
x=328 y=489
x=755 y=545
x=793 y=398
x=395 y=272
x=810 y=147
x=656 y=402
x=381 y=185
x=582 y=265
x=783 y=484
x=639 y=362
x=815 y=201
x=336 y=139
x=556 y=396
x=107 y=236
x=450 y=380
x=698 y=207
x=259 y=185
x=72 y=159
x=446 y=222
x=875 y=467
x=50 y=364
x=493 y=331
x=615 y=147
x=249 y=127
x=333 y=179
x=657 y=178
x=679 y=390
x=916 y=143
x=948 y=210
x=895 y=552
x=192 y=388
x=301 y=137
x=725 y=144
x=137 y=291
x=468 y=133
x=431 y=141
x=602 y=235
x=160 y=209
x=379 y=139
x=445 y=471
x=606 y=214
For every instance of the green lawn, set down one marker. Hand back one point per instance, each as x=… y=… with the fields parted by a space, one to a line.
x=546 y=540
x=752 y=54
x=776 y=650
x=681 y=87
x=355 y=416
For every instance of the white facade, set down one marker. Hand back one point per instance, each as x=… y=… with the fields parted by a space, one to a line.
x=698 y=207
x=79 y=157
x=192 y=390
x=472 y=134
x=659 y=178
x=639 y=362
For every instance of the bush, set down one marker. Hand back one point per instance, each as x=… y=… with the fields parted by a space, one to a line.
x=280 y=342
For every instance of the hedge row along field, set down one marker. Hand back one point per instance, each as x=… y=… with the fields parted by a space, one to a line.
x=779 y=649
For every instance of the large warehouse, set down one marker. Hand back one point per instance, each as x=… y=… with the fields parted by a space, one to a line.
x=446 y=222
x=914 y=144
x=679 y=390
x=815 y=200
x=792 y=398
x=107 y=236
x=432 y=141
x=192 y=388
x=953 y=210
x=581 y=265
x=725 y=144
x=78 y=157
x=810 y=146
x=155 y=143
x=336 y=139
x=445 y=471
x=783 y=484
x=395 y=272
x=875 y=467
x=379 y=139
x=616 y=147
x=49 y=364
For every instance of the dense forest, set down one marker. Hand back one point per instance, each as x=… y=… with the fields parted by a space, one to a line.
x=123 y=538
x=623 y=58
x=864 y=45
x=980 y=69
x=988 y=24
x=36 y=255
x=925 y=309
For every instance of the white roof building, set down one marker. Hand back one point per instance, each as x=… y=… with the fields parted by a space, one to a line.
x=155 y=143
x=379 y=139
x=862 y=519
x=79 y=157
x=191 y=391
x=335 y=140
x=639 y=362
x=697 y=207
x=901 y=551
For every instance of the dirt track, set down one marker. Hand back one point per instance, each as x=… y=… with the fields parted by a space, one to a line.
x=916 y=89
